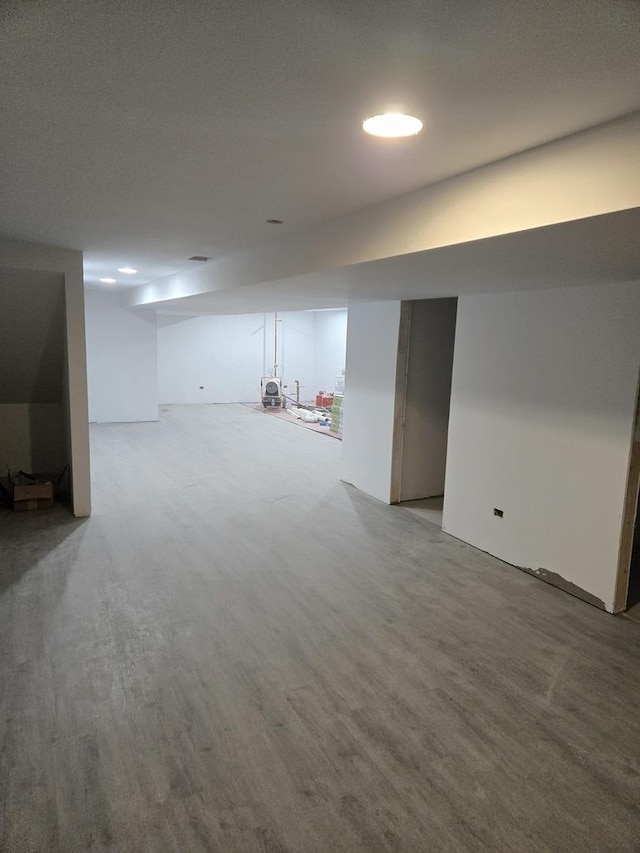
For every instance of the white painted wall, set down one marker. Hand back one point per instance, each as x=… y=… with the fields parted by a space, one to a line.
x=228 y=354
x=372 y=355
x=296 y=349
x=19 y=255
x=541 y=421
x=330 y=348
x=427 y=396
x=121 y=360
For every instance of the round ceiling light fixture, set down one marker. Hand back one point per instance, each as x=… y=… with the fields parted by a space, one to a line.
x=127 y=270
x=107 y=280
x=392 y=125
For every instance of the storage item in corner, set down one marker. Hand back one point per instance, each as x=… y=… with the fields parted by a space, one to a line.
x=324 y=400
x=271 y=392
x=28 y=492
x=337 y=415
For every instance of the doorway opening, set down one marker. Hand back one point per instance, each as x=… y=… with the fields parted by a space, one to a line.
x=633 y=590
x=420 y=453
x=628 y=587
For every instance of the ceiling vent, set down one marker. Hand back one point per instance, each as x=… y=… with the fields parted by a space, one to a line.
x=198 y=258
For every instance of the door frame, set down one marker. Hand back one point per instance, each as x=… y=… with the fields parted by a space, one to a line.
x=630 y=510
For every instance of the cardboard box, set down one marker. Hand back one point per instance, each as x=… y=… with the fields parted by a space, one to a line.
x=28 y=492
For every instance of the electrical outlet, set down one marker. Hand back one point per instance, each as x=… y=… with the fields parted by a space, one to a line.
x=498 y=512
x=201 y=387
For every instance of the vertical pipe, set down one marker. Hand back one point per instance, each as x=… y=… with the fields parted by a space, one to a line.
x=275 y=344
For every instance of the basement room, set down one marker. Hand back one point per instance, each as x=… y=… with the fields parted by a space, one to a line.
x=320 y=427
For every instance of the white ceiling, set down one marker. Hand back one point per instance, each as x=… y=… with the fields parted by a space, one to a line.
x=143 y=133
x=594 y=250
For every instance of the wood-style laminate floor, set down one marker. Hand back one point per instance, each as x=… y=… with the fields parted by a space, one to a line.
x=239 y=653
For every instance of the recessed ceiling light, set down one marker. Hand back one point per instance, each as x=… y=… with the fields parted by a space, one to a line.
x=392 y=125
x=107 y=280
x=274 y=221
x=127 y=270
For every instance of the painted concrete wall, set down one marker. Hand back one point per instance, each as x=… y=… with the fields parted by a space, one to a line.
x=19 y=255
x=542 y=409
x=372 y=356
x=228 y=354
x=121 y=360
x=427 y=396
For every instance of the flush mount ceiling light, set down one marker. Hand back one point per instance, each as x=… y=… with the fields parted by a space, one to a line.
x=107 y=280
x=392 y=125
x=127 y=270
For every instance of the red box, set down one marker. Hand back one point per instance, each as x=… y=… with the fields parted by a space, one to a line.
x=324 y=401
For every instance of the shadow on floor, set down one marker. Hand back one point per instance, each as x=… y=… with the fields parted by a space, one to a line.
x=44 y=531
